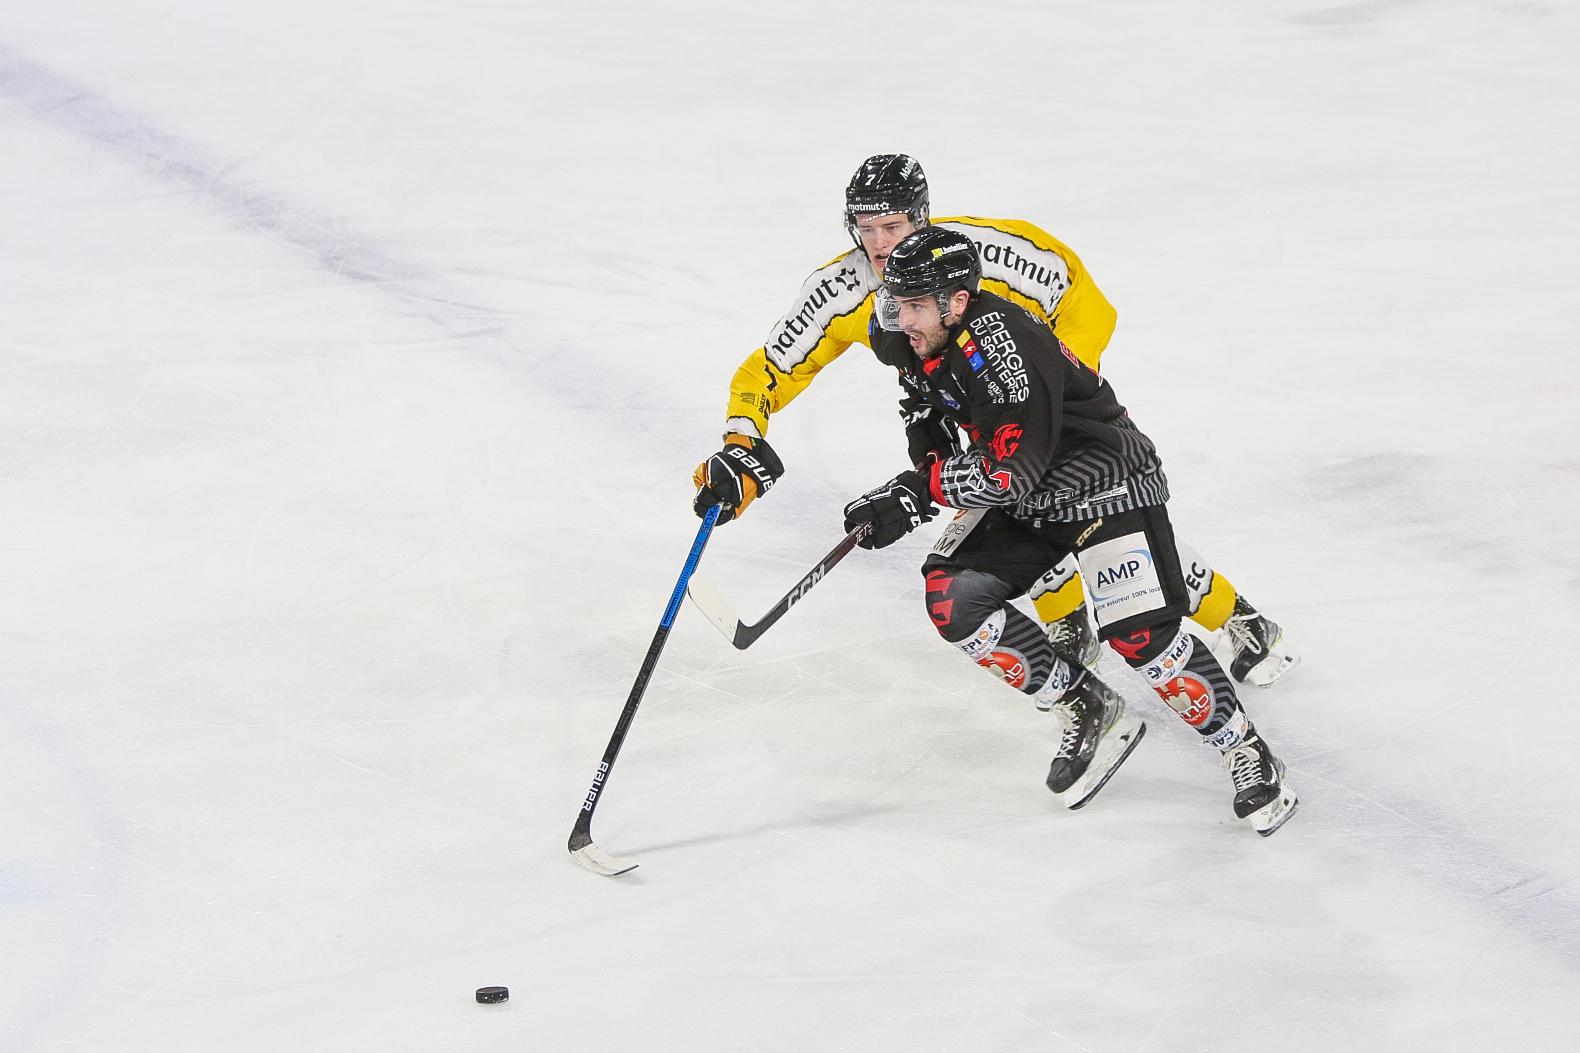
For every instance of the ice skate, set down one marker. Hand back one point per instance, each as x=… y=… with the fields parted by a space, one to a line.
x=1074 y=640
x=1096 y=737
x=1260 y=654
x=1261 y=793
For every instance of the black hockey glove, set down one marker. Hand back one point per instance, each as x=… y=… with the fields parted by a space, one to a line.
x=734 y=476
x=894 y=509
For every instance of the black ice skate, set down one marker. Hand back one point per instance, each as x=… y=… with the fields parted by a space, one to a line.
x=1261 y=794
x=1074 y=640
x=1260 y=654
x=1096 y=737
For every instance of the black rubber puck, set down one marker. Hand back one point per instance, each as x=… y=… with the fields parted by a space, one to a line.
x=491 y=995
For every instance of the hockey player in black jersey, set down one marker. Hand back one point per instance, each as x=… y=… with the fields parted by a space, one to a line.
x=1053 y=465
x=886 y=199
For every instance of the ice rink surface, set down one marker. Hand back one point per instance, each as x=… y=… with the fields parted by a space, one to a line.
x=353 y=363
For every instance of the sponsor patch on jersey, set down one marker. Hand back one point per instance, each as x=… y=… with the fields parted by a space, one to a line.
x=1014 y=260
x=961 y=525
x=968 y=348
x=949 y=400
x=1123 y=578
x=999 y=349
x=831 y=292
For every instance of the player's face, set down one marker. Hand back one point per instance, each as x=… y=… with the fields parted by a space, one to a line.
x=879 y=235
x=918 y=318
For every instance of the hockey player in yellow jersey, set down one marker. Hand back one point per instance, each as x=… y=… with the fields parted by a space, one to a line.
x=886 y=200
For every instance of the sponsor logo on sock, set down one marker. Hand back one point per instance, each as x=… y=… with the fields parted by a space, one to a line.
x=1168 y=664
x=1007 y=666
x=1189 y=697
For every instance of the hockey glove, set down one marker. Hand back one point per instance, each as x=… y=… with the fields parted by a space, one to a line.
x=894 y=509
x=734 y=476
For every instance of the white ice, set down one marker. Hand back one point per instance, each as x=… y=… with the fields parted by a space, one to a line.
x=353 y=362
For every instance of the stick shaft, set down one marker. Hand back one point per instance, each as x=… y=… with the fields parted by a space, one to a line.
x=742 y=635
x=581 y=834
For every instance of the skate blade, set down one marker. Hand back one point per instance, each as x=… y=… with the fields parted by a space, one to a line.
x=1274 y=815
x=1112 y=751
x=1267 y=672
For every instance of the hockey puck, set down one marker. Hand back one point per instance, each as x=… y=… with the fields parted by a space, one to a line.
x=493 y=995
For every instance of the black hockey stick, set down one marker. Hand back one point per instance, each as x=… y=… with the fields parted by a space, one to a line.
x=581 y=846
x=717 y=610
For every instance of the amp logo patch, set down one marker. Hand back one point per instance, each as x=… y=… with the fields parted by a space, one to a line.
x=1123 y=572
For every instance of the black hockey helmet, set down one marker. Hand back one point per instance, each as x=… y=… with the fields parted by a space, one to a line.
x=883 y=185
x=933 y=261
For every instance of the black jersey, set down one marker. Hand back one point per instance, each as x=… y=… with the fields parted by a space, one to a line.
x=1047 y=439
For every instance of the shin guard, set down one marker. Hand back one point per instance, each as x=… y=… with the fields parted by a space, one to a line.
x=1015 y=649
x=1186 y=676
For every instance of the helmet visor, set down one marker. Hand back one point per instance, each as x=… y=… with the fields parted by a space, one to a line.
x=886 y=309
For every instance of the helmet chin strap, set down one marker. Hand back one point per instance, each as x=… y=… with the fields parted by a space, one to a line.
x=943 y=310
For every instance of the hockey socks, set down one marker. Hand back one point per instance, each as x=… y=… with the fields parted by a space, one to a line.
x=1185 y=675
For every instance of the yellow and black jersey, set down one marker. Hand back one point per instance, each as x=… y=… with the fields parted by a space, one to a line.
x=1020 y=262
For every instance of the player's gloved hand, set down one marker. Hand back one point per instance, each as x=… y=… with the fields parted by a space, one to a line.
x=733 y=477
x=894 y=509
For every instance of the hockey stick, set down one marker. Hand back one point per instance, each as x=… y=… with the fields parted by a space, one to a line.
x=581 y=846
x=717 y=610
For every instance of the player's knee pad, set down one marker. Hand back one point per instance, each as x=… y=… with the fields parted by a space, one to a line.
x=960 y=601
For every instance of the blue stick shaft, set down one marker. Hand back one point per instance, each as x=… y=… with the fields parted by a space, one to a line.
x=581 y=834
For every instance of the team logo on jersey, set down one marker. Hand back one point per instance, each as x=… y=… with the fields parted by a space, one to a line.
x=1005 y=442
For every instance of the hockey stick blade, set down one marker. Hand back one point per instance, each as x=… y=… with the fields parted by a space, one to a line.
x=591 y=857
x=718 y=611
x=712 y=605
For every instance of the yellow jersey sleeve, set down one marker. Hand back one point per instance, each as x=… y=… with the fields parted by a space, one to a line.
x=831 y=312
x=1025 y=264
